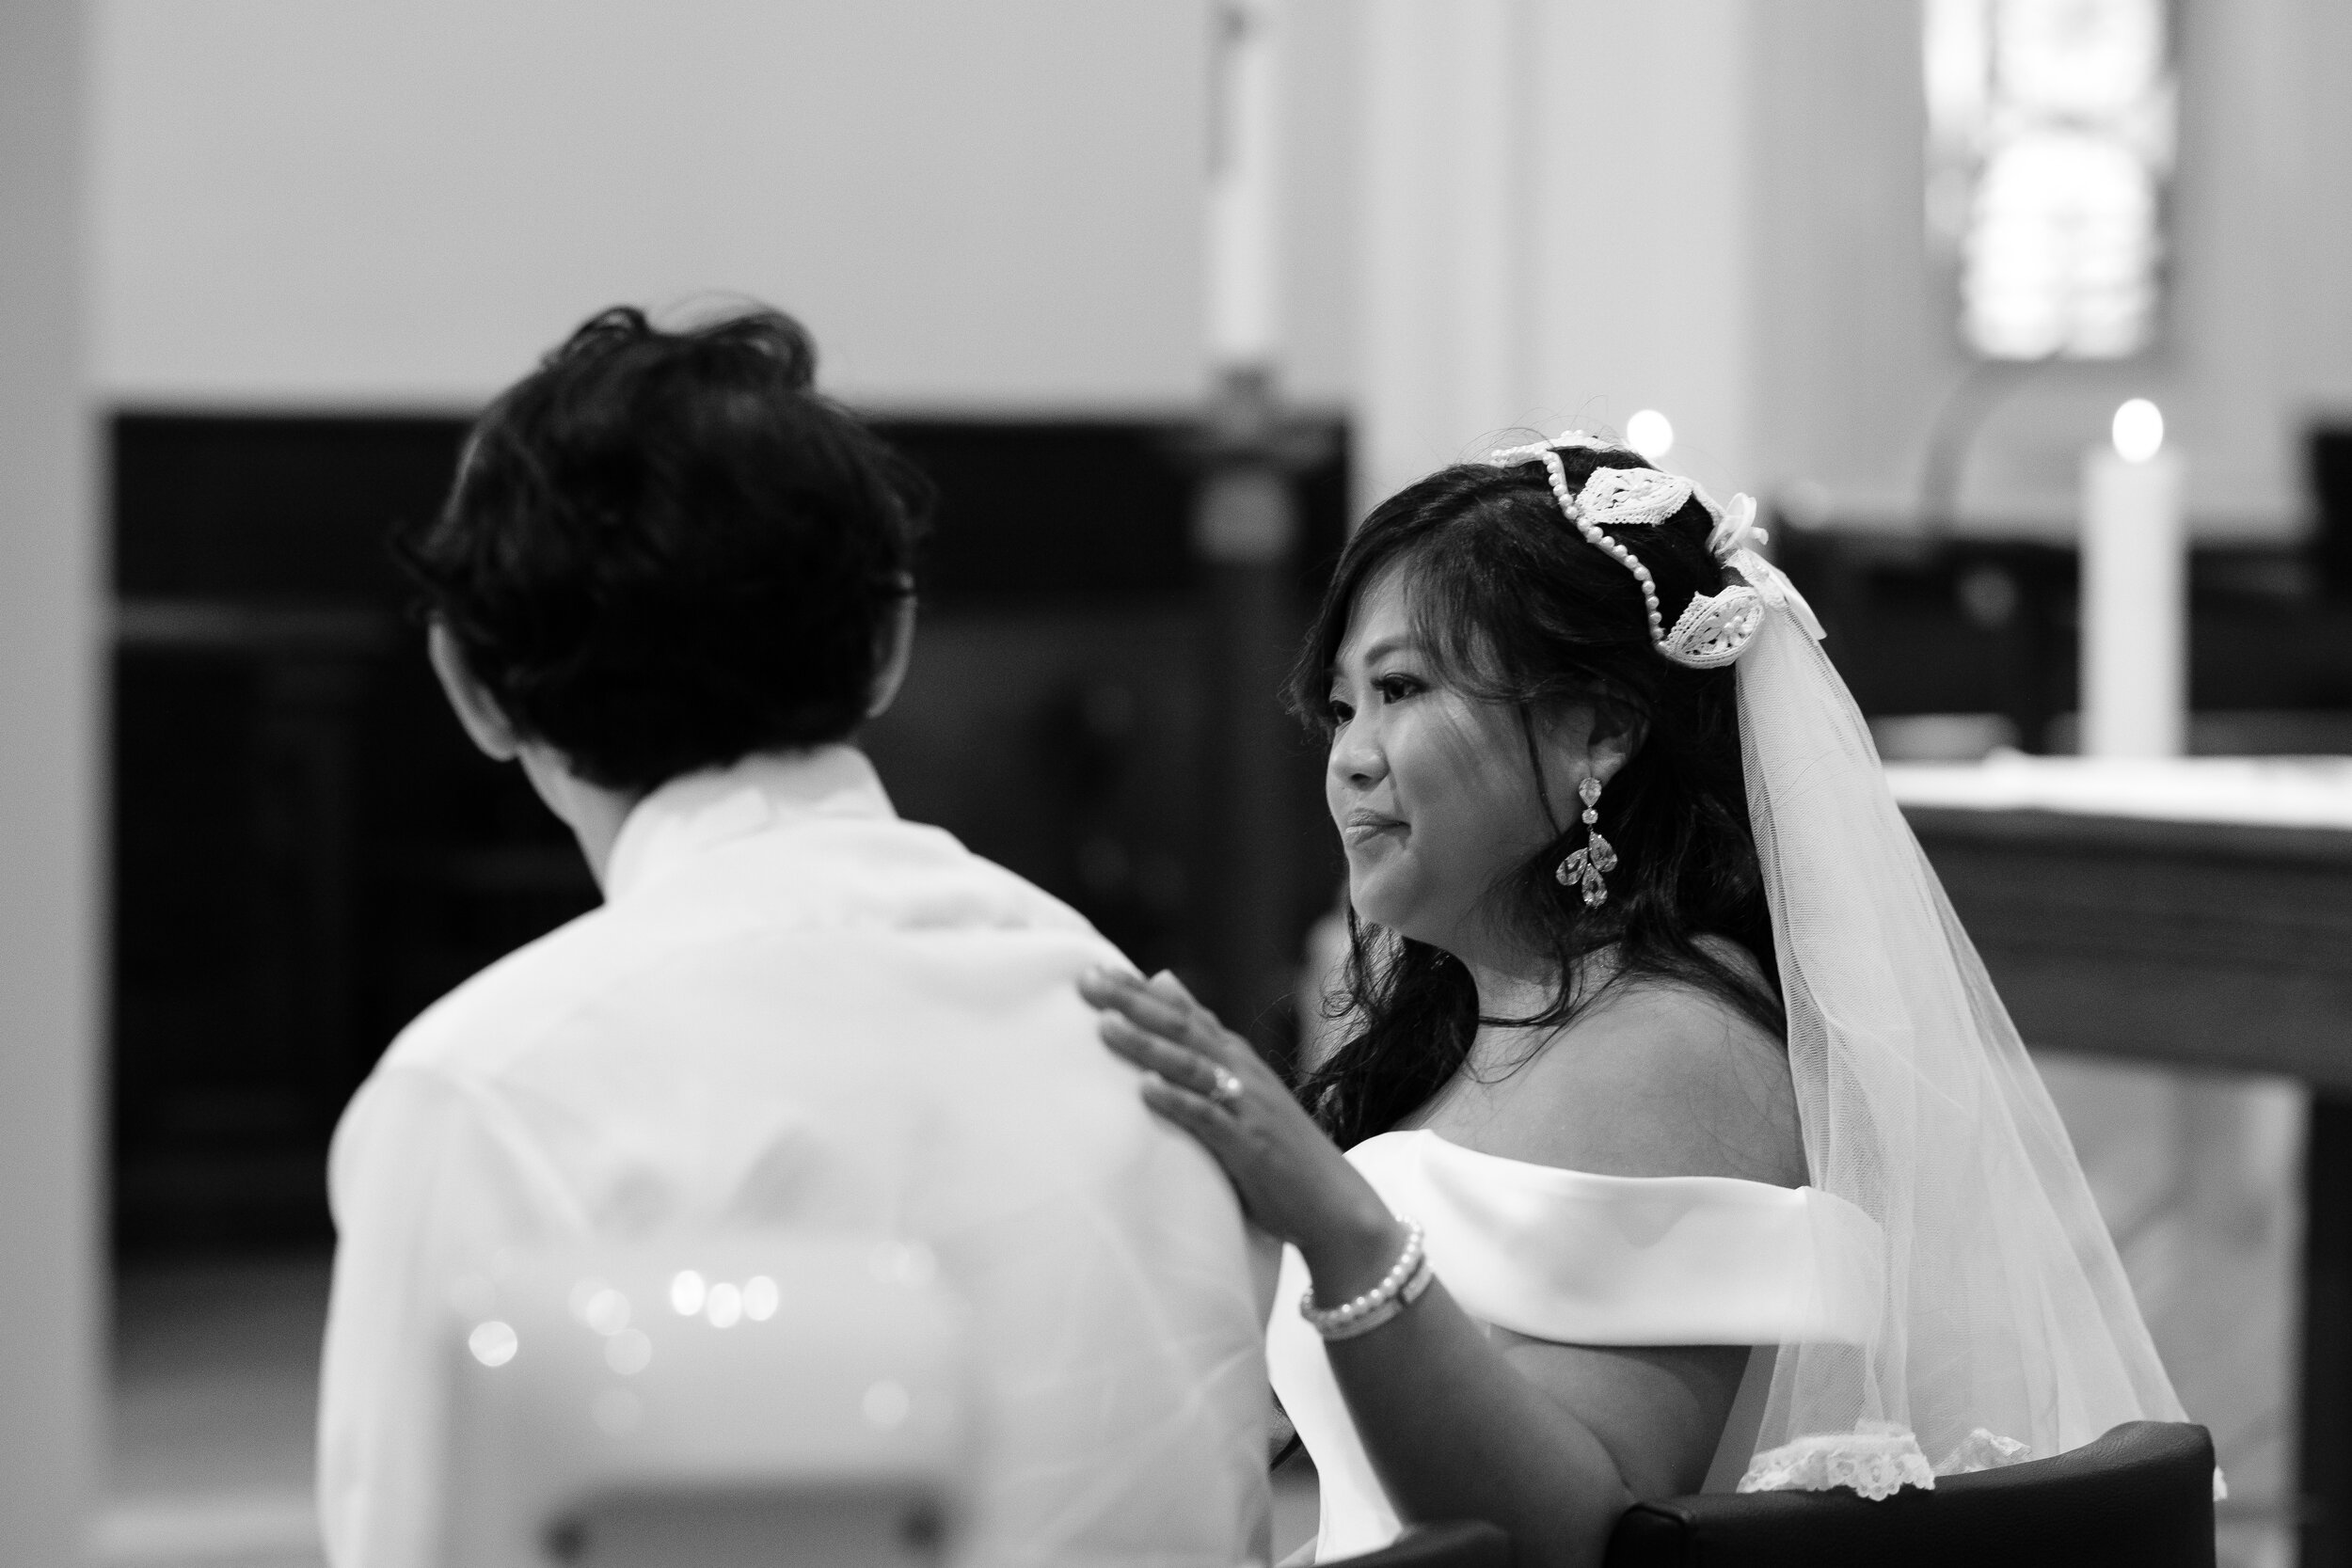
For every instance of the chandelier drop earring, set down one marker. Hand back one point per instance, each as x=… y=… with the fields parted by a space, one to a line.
x=1583 y=867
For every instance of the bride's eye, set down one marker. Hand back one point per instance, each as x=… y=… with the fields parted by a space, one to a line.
x=1340 y=712
x=1395 y=688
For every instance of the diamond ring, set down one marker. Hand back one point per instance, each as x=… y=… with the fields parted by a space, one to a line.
x=1226 y=1089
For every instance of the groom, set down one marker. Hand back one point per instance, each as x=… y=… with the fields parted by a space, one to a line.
x=670 y=581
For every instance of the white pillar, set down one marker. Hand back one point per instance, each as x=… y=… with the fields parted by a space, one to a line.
x=1447 y=330
x=49 y=802
x=1645 y=277
x=1556 y=200
x=1245 y=260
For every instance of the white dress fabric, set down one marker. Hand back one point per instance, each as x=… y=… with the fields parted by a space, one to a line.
x=1586 y=1259
x=795 y=1010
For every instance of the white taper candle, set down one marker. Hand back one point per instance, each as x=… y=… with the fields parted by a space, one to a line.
x=2135 y=594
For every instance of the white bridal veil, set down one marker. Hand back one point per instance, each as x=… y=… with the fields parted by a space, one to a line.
x=2006 y=1329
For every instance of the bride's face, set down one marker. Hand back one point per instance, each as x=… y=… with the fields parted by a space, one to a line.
x=1432 y=790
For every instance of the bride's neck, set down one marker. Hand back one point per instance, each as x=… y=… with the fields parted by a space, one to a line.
x=1527 y=989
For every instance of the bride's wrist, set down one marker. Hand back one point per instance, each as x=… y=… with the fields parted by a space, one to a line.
x=1351 y=1253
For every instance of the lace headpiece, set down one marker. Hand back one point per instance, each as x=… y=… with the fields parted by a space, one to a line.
x=1713 y=628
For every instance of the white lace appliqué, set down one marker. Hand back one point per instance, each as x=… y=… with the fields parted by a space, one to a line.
x=1983 y=1450
x=1876 y=1461
x=1715 y=629
x=1631 y=497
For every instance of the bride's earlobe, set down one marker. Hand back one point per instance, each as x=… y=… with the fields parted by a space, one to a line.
x=1616 y=736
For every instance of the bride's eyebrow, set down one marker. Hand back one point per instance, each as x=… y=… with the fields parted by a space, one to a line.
x=1388 y=647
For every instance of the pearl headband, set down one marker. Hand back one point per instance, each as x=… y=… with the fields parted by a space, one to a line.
x=1715 y=629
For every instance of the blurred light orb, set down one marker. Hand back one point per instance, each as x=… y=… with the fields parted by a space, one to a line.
x=1649 y=434
x=628 y=1352
x=493 y=1343
x=725 y=1306
x=607 y=1311
x=2139 y=431
x=760 y=1298
x=686 y=1290
x=582 y=1292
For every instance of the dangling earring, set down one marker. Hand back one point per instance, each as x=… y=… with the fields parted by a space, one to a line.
x=1585 y=866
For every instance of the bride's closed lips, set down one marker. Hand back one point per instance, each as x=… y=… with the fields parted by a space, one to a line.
x=1360 y=825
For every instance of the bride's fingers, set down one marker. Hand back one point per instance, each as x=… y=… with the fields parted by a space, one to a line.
x=1196 y=1113
x=1184 y=1021
x=1166 y=983
x=1155 y=1054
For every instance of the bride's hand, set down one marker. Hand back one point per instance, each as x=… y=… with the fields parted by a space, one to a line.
x=1293 y=1180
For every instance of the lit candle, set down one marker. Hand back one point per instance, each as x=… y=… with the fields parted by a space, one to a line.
x=2135 y=621
x=1245 y=258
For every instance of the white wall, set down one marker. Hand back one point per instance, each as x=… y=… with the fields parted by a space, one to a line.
x=1499 y=212
x=973 y=206
x=50 y=803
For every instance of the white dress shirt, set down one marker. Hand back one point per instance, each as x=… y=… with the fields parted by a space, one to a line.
x=796 y=1010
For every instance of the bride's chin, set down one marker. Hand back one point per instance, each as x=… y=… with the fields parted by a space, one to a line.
x=1373 y=910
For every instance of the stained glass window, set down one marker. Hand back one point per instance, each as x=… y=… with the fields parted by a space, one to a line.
x=2050 y=142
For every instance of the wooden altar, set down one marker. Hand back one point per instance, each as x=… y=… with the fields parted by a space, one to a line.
x=2196 y=913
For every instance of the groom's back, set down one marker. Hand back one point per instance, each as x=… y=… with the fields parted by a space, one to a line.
x=798 y=1011
x=672 y=580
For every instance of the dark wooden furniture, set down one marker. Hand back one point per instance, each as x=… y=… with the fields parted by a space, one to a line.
x=2201 y=943
x=2195 y=944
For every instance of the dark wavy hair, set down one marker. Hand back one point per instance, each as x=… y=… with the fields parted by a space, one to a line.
x=664 y=551
x=1512 y=605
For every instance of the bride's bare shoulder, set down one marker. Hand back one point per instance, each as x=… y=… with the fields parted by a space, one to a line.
x=1659 y=1078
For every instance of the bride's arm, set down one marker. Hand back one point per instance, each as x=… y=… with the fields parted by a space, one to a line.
x=1550 y=1442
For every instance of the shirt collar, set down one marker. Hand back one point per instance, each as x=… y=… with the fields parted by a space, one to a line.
x=691 y=813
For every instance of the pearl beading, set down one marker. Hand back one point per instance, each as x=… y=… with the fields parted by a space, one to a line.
x=1593 y=532
x=1398 y=1289
x=1715 y=629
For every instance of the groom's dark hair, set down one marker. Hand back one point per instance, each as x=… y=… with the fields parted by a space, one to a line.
x=664 y=551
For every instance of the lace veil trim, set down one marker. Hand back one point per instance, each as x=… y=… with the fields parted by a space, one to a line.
x=1876 y=1460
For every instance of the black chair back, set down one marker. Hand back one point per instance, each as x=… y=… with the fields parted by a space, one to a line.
x=2140 y=1496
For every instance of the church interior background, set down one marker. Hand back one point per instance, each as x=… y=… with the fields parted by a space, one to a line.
x=1116 y=275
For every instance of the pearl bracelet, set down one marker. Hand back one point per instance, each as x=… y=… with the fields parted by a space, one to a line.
x=1398 y=1289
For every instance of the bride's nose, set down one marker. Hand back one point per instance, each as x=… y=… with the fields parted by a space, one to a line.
x=1356 y=761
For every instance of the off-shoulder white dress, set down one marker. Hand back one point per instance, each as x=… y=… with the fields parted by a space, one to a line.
x=1586 y=1259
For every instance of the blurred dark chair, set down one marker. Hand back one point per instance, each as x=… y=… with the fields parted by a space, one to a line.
x=2141 y=1497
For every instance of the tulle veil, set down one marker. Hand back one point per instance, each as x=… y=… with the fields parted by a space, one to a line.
x=2006 y=1329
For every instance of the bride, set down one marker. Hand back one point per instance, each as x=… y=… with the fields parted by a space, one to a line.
x=1686 y=1143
